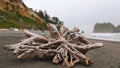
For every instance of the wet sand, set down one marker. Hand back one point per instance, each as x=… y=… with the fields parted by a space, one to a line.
x=105 y=57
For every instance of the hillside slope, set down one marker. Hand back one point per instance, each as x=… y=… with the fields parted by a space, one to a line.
x=15 y=14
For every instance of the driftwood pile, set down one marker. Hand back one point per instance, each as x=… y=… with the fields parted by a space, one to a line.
x=64 y=46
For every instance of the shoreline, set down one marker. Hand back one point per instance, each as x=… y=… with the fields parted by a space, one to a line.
x=46 y=32
x=104 y=57
x=104 y=40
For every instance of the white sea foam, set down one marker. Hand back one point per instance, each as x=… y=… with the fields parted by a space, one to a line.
x=104 y=36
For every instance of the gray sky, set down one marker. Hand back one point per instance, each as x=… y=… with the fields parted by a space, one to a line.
x=80 y=13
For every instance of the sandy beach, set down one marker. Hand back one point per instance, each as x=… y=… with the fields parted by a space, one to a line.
x=105 y=57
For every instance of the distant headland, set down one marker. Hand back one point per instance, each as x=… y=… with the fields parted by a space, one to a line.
x=106 y=27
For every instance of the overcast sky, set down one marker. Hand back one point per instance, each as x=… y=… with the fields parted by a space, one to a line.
x=80 y=13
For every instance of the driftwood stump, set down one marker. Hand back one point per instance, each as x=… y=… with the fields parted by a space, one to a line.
x=64 y=46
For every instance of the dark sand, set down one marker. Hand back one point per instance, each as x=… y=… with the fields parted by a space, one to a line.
x=105 y=57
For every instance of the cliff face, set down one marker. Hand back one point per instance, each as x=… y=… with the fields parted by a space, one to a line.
x=17 y=6
x=15 y=14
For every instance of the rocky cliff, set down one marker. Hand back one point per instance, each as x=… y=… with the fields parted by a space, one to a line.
x=16 y=13
x=18 y=6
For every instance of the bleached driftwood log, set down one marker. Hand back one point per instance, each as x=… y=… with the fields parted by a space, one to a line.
x=67 y=46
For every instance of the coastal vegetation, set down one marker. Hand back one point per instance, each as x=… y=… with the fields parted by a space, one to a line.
x=44 y=15
x=15 y=20
x=48 y=19
x=15 y=14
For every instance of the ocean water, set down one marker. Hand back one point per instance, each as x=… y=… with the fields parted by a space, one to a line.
x=104 y=36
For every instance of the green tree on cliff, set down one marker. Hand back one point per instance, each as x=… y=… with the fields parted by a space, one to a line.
x=47 y=19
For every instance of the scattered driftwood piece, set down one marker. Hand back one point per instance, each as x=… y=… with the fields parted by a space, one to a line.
x=64 y=46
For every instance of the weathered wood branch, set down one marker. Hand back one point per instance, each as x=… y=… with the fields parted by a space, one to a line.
x=64 y=46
